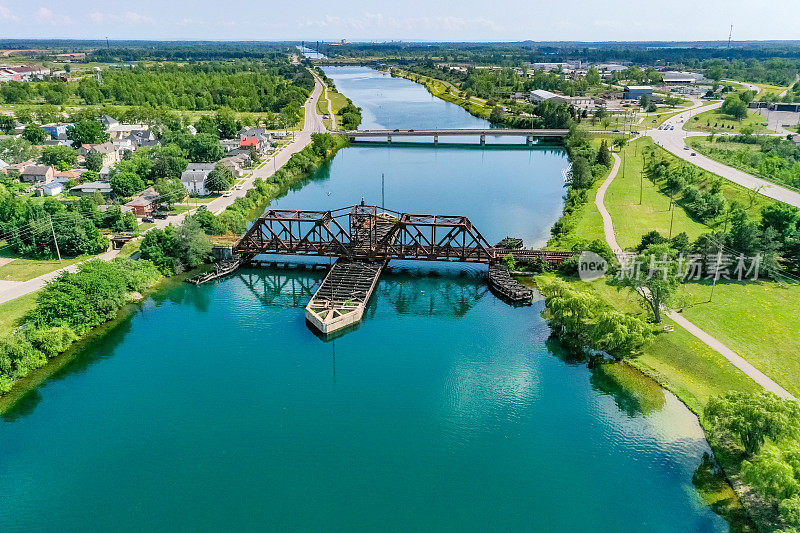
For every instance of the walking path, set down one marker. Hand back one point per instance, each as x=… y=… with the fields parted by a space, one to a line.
x=713 y=343
x=14 y=289
x=313 y=124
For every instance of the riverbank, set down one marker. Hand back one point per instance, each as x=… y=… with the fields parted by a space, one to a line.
x=299 y=168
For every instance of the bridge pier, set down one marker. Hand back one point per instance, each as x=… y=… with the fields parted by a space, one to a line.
x=389 y=139
x=483 y=139
x=435 y=139
x=529 y=140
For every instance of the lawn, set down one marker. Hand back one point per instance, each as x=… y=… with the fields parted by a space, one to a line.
x=23 y=269
x=11 y=312
x=714 y=120
x=757 y=320
x=338 y=100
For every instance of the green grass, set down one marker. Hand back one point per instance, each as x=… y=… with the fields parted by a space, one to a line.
x=338 y=100
x=757 y=320
x=201 y=199
x=632 y=219
x=12 y=312
x=23 y=269
x=714 y=120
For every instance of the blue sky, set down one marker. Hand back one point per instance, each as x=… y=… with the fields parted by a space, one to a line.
x=471 y=20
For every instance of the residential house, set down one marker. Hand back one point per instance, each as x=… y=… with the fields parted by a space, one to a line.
x=37 y=174
x=57 y=130
x=51 y=189
x=16 y=169
x=3 y=165
x=229 y=145
x=88 y=189
x=194 y=178
x=145 y=203
x=191 y=129
x=109 y=152
x=120 y=130
x=248 y=144
x=67 y=175
x=142 y=138
x=238 y=163
x=108 y=121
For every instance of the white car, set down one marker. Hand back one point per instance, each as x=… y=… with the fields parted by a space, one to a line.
x=227 y=194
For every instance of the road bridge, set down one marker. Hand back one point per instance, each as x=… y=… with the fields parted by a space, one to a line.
x=528 y=134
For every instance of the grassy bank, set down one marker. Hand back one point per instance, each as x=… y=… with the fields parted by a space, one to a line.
x=447 y=92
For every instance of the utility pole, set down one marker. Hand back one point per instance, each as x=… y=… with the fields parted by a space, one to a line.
x=719 y=257
x=54 y=238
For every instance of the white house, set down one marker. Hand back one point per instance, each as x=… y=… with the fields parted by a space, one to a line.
x=195 y=176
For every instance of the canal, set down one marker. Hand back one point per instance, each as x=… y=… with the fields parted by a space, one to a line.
x=215 y=407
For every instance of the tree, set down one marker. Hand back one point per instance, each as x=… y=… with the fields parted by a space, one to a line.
x=227 y=125
x=734 y=106
x=34 y=134
x=748 y=419
x=619 y=334
x=7 y=124
x=194 y=246
x=599 y=114
x=782 y=218
x=620 y=143
x=580 y=173
x=496 y=116
x=87 y=132
x=14 y=151
x=205 y=148
x=53 y=155
x=644 y=101
x=169 y=162
x=126 y=183
x=93 y=161
x=604 y=155
x=170 y=190
x=593 y=77
x=657 y=280
x=219 y=179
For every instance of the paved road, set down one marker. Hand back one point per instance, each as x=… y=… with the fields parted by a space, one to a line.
x=713 y=343
x=674 y=140
x=313 y=123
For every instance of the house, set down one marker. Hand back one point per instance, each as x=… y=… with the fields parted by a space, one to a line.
x=141 y=138
x=51 y=189
x=88 y=189
x=109 y=152
x=255 y=133
x=635 y=92
x=540 y=95
x=3 y=164
x=191 y=129
x=237 y=163
x=194 y=178
x=247 y=144
x=228 y=145
x=57 y=130
x=16 y=169
x=120 y=130
x=67 y=175
x=22 y=72
x=105 y=172
x=145 y=203
x=108 y=121
x=37 y=174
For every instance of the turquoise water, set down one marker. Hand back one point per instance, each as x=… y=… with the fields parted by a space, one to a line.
x=216 y=408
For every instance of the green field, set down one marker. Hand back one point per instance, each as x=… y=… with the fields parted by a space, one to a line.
x=22 y=269
x=11 y=312
x=715 y=121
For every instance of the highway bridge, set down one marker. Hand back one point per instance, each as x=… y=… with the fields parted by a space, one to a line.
x=528 y=134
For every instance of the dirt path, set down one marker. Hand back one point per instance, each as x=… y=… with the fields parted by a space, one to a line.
x=710 y=341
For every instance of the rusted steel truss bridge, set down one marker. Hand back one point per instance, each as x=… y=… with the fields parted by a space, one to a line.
x=364 y=238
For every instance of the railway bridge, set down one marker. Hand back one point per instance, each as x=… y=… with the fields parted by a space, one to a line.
x=363 y=239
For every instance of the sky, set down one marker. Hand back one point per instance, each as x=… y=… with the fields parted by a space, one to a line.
x=411 y=20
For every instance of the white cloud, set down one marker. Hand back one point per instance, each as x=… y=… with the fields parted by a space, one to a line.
x=7 y=14
x=130 y=17
x=46 y=16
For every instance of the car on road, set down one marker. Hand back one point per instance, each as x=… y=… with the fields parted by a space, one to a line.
x=239 y=187
x=160 y=214
x=410 y=131
x=148 y=220
x=227 y=194
x=685 y=147
x=693 y=153
x=396 y=130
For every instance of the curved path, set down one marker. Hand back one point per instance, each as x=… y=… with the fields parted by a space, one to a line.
x=674 y=140
x=713 y=343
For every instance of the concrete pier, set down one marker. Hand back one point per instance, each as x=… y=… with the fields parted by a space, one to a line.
x=342 y=296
